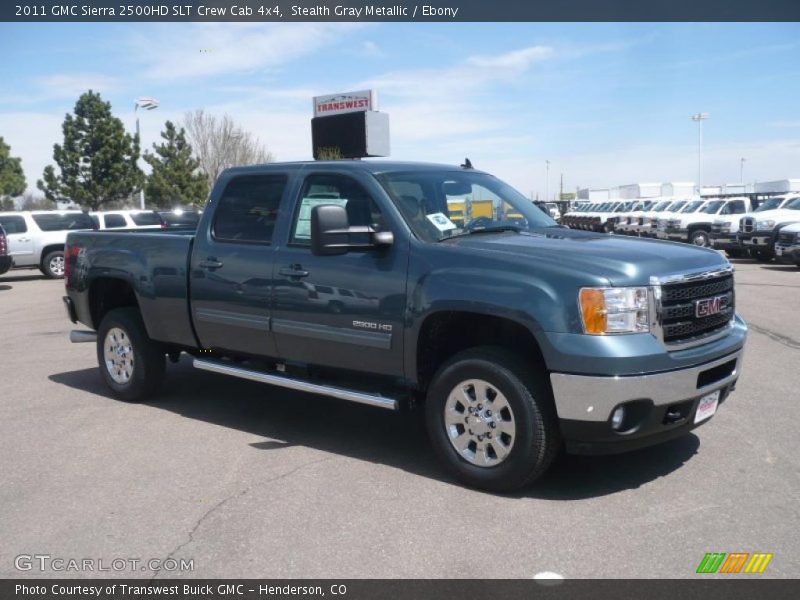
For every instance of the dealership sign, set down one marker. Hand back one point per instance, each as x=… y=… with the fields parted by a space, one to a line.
x=346 y=102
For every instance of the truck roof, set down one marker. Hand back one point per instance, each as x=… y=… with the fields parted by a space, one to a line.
x=371 y=166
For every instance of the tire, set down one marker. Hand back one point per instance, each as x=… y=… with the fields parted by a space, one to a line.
x=143 y=362
x=53 y=265
x=762 y=255
x=536 y=440
x=700 y=238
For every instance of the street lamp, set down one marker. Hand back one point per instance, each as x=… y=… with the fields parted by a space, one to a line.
x=699 y=118
x=547 y=182
x=147 y=104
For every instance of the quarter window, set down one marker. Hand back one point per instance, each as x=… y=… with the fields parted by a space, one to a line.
x=13 y=224
x=248 y=209
x=114 y=221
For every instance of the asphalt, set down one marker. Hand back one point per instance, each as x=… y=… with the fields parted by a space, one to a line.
x=248 y=480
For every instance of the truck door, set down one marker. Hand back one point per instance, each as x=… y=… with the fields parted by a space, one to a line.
x=20 y=240
x=231 y=266
x=342 y=311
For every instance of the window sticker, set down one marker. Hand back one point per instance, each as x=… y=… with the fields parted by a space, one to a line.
x=441 y=222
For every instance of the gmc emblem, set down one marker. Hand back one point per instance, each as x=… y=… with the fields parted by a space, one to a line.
x=710 y=306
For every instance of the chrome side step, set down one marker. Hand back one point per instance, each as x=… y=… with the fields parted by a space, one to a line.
x=77 y=336
x=297 y=384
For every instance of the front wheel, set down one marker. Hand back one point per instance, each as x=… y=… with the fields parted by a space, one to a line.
x=762 y=255
x=53 y=265
x=131 y=363
x=491 y=419
x=700 y=238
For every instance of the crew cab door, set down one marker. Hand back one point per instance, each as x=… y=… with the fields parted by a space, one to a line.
x=231 y=266
x=20 y=239
x=342 y=311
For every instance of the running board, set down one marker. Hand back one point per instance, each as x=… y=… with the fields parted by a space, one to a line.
x=78 y=336
x=297 y=384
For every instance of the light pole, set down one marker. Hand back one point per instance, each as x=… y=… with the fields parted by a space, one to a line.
x=547 y=182
x=147 y=104
x=741 y=169
x=699 y=118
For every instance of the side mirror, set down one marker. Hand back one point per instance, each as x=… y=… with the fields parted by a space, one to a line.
x=331 y=231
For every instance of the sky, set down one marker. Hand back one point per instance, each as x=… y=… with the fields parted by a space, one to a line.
x=605 y=104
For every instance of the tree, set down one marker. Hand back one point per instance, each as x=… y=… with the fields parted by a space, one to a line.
x=219 y=143
x=12 y=178
x=97 y=160
x=175 y=178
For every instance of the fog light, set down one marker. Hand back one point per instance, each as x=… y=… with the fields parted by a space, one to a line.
x=617 y=417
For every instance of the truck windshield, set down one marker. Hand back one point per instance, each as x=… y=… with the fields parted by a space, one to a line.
x=440 y=204
x=692 y=206
x=63 y=222
x=712 y=207
x=770 y=204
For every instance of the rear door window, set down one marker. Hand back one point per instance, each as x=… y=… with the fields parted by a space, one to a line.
x=144 y=219
x=13 y=224
x=248 y=209
x=114 y=221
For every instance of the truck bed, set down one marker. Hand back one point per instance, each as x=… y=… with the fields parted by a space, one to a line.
x=154 y=263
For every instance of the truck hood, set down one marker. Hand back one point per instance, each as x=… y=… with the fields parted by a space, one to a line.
x=778 y=213
x=618 y=260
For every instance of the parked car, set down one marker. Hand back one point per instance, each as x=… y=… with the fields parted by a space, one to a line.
x=36 y=238
x=725 y=229
x=680 y=207
x=518 y=338
x=5 y=259
x=645 y=227
x=552 y=210
x=627 y=221
x=759 y=230
x=126 y=219
x=695 y=228
x=787 y=245
x=179 y=219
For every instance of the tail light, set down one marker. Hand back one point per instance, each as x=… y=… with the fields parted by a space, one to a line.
x=3 y=243
x=70 y=254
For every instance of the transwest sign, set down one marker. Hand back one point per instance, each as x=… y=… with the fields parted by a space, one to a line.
x=346 y=102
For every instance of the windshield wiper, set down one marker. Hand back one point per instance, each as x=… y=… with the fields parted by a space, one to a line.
x=490 y=229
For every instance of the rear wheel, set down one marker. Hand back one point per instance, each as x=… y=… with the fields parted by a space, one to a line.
x=491 y=419
x=53 y=264
x=131 y=363
x=762 y=255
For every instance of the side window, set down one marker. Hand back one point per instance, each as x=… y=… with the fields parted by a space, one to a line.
x=334 y=189
x=248 y=209
x=13 y=224
x=737 y=208
x=114 y=221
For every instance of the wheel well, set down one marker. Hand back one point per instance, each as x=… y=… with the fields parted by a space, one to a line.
x=47 y=250
x=446 y=333
x=699 y=226
x=107 y=293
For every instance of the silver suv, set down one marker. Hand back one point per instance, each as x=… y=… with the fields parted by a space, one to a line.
x=36 y=238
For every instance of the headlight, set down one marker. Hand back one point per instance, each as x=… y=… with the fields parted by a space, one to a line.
x=614 y=310
x=765 y=224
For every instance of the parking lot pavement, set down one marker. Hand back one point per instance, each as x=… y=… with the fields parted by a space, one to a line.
x=249 y=480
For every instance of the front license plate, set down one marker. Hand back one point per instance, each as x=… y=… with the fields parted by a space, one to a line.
x=707 y=406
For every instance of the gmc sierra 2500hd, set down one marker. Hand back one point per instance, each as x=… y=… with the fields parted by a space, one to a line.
x=349 y=279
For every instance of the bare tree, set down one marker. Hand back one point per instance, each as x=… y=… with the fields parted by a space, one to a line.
x=219 y=143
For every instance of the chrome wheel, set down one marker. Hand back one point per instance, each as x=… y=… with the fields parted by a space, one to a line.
x=118 y=355
x=480 y=423
x=56 y=266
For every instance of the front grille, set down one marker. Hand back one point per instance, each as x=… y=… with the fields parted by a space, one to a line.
x=678 y=306
x=747 y=225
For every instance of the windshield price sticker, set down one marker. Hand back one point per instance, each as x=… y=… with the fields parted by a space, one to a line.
x=441 y=222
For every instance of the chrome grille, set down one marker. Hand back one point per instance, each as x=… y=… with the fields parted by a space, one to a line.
x=679 y=322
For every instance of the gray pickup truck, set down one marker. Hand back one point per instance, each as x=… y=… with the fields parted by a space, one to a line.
x=519 y=337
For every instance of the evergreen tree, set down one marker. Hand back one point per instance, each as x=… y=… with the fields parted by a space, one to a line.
x=97 y=160
x=12 y=178
x=176 y=178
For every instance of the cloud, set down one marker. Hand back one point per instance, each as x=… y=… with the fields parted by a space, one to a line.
x=170 y=52
x=518 y=60
x=72 y=85
x=371 y=50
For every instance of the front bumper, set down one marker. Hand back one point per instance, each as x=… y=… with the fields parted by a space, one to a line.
x=663 y=404
x=680 y=235
x=789 y=253
x=759 y=239
x=725 y=241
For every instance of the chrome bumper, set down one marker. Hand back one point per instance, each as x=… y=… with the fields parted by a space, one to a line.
x=592 y=398
x=757 y=240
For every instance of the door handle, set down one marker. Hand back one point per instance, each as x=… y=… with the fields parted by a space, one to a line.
x=295 y=271
x=24 y=239
x=210 y=263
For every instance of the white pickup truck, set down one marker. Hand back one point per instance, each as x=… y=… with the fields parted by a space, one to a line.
x=757 y=231
x=724 y=230
x=36 y=238
x=695 y=227
x=787 y=244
